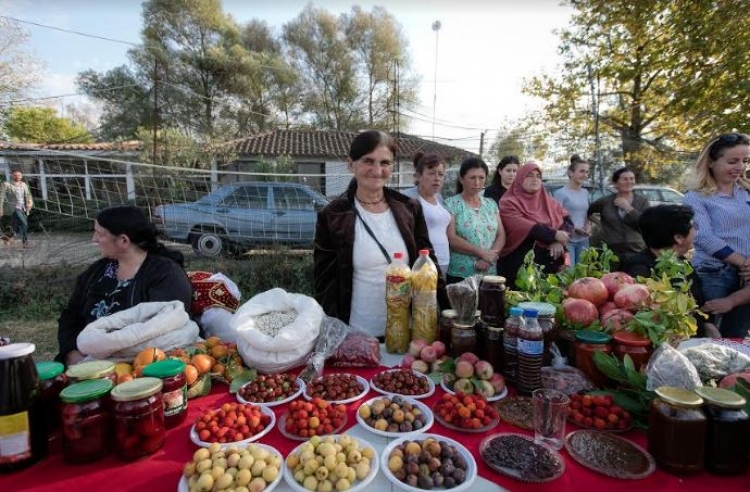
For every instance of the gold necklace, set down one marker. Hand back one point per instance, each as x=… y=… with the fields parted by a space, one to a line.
x=381 y=199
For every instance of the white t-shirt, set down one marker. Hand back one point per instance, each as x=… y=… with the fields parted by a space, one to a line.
x=368 y=283
x=437 y=218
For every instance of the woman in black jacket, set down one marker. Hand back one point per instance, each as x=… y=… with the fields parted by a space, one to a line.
x=135 y=268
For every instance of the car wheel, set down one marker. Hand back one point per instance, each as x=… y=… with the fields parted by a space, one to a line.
x=208 y=244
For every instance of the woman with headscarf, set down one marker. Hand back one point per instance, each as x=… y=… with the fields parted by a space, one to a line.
x=532 y=220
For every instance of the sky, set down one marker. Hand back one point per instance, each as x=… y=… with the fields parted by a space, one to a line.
x=472 y=70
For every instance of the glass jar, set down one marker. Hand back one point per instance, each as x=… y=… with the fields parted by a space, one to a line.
x=638 y=347
x=463 y=339
x=677 y=430
x=728 y=431
x=95 y=369
x=546 y=320
x=86 y=420
x=480 y=345
x=51 y=383
x=495 y=349
x=587 y=343
x=447 y=318
x=174 y=390
x=139 y=418
x=23 y=428
x=492 y=299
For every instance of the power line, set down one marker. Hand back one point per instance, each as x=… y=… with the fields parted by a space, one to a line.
x=59 y=96
x=69 y=31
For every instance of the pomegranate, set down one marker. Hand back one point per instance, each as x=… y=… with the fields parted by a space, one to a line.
x=439 y=348
x=606 y=308
x=589 y=288
x=483 y=370
x=416 y=346
x=428 y=354
x=616 y=320
x=615 y=281
x=469 y=357
x=580 y=311
x=632 y=296
x=464 y=369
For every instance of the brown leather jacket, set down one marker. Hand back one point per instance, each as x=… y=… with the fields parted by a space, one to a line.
x=334 y=244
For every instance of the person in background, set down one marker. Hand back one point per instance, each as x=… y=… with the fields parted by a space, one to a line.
x=475 y=232
x=16 y=201
x=504 y=175
x=575 y=199
x=618 y=216
x=669 y=227
x=718 y=193
x=532 y=220
x=429 y=170
x=357 y=234
x=134 y=268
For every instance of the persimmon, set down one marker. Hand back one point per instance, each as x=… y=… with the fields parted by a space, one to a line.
x=218 y=369
x=191 y=374
x=212 y=342
x=219 y=351
x=202 y=363
x=149 y=355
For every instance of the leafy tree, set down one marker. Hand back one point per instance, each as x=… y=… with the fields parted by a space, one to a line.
x=507 y=143
x=176 y=148
x=665 y=73
x=42 y=125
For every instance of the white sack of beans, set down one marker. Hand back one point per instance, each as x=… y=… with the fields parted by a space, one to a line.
x=277 y=330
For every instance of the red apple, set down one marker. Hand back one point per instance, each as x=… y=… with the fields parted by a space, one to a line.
x=589 y=288
x=580 y=311
x=632 y=296
x=615 y=281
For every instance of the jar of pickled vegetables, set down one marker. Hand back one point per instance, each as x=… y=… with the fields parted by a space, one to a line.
x=86 y=420
x=728 y=431
x=174 y=392
x=139 y=418
x=94 y=369
x=677 y=430
x=51 y=382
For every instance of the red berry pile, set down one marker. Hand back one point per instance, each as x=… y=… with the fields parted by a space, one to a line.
x=335 y=387
x=269 y=388
x=314 y=418
x=465 y=411
x=230 y=423
x=598 y=412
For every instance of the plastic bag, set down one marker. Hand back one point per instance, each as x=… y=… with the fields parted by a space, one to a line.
x=562 y=377
x=291 y=345
x=357 y=350
x=668 y=367
x=215 y=299
x=333 y=331
x=464 y=299
x=715 y=361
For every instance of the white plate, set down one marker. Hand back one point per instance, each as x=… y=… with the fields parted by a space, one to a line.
x=293 y=437
x=182 y=486
x=492 y=398
x=471 y=464
x=360 y=380
x=358 y=485
x=430 y=382
x=300 y=384
x=430 y=418
x=196 y=440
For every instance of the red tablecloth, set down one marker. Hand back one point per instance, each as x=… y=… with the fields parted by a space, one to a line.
x=162 y=470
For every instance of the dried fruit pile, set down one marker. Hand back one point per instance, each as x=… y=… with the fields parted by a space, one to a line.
x=465 y=411
x=314 y=418
x=402 y=382
x=231 y=423
x=521 y=457
x=598 y=412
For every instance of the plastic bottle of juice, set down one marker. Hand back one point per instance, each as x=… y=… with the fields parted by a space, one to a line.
x=530 y=353
x=513 y=326
x=397 y=301
x=424 y=311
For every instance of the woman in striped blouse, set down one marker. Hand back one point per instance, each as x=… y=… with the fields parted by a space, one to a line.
x=720 y=198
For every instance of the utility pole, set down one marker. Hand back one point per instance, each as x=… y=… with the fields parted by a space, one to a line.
x=435 y=27
x=155 y=117
x=595 y=111
x=481 y=144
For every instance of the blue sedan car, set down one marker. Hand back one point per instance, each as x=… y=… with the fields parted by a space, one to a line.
x=243 y=214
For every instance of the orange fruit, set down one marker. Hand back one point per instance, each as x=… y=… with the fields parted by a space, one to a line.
x=138 y=371
x=218 y=369
x=219 y=351
x=149 y=355
x=202 y=363
x=124 y=377
x=201 y=347
x=191 y=374
x=211 y=342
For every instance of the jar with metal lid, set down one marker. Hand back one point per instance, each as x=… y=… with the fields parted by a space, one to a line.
x=495 y=350
x=86 y=420
x=492 y=299
x=23 y=428
x=728 y=432
x=94 y=369
x=51 y=383
x=546 y=320
x=174 y=392
x=447 y=318
x=463 y=339
x=638 y=347
x=589 y=342
x=480 y=345
x=677 y=430
x=138 y=417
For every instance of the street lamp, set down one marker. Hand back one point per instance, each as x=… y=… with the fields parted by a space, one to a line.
x=435 y=27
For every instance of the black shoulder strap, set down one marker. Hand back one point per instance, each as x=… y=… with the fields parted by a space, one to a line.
x=372 y=234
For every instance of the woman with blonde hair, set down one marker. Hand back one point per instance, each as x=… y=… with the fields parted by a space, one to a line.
x=719 y=194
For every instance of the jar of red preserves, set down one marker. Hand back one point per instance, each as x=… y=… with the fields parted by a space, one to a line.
x=51 y=383
x=94 y=369
x=86 y=420
x=728 y=432
x=139 y=418
x=589 y=342
x=638 y=347
x=677 y=430
x=174 y=392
